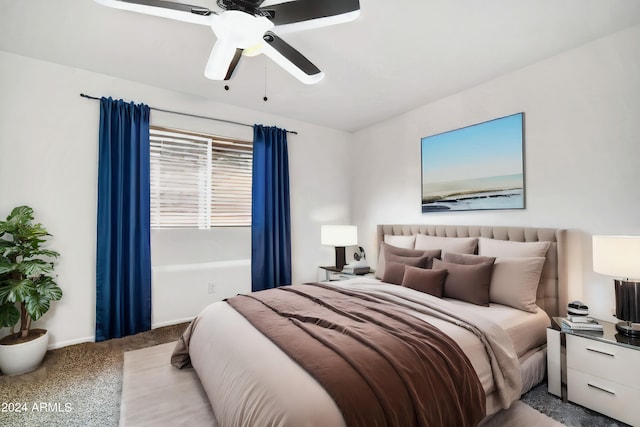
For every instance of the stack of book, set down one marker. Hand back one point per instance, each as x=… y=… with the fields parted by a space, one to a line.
x=580 y=323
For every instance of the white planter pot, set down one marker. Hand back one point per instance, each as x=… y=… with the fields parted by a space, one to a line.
x=21 y=358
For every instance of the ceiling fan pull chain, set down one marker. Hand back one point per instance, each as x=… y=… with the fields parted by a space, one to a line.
x=265 y=99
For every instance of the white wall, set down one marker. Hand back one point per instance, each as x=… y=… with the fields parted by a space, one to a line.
x=48 y=160
x=582 y=143
x=205 y=265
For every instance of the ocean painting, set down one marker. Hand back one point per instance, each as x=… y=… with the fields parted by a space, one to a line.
x=478 y=167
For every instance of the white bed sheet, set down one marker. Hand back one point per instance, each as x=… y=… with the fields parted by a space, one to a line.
x=526 y=330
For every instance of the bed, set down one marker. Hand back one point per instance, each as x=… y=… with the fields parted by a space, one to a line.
x=251 y=381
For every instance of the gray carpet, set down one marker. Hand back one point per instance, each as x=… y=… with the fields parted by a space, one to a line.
x=567 y=413
x=81 y=385
x=78 y=385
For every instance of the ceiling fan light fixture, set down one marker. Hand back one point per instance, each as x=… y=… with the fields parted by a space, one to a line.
x=239 y=28
x=235 y=31
x=254 y=50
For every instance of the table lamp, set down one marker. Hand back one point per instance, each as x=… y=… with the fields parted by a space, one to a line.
x=619 y=256
x=339 y=236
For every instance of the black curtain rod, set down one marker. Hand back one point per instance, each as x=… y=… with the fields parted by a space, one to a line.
x=192 y=115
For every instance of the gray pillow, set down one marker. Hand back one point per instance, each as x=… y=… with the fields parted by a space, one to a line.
x=469 y=283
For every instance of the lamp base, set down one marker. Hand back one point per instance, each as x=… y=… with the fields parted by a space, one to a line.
x=629 y=329
x=627 y=294
x=341 y=259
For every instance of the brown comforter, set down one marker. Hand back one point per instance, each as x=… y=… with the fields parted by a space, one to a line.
x=381 y=365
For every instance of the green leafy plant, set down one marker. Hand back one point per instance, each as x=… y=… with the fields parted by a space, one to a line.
x=27 y=284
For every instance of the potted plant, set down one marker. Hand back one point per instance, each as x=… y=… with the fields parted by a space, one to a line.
x=27 y=288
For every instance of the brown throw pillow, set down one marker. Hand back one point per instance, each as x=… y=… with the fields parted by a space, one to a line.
x=393 y=273
x=427 y=281
x=467 y=259
x=468 y=283
x=394 y=268
x=386 y=248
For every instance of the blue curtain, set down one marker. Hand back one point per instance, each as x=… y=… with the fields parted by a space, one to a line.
x=123 y=263
x=270 y=216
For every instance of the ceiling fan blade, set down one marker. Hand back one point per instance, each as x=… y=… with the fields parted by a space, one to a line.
x=164 y=9
x=234 y=63
x=290 y=59
x=305 y=14
x=242 y=4
x=223 y=61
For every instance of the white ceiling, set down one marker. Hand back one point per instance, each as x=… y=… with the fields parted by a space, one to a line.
x=396 y=56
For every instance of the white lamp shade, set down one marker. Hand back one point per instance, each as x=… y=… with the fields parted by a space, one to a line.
x=339 y=235
x=617 y=256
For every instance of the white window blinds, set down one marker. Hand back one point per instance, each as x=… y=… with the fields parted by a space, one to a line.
x=199 y=181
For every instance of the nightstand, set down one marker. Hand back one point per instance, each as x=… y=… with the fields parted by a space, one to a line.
x=332 y=274
x=598 y=370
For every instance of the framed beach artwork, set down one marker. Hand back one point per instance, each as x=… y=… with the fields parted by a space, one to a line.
x=478 y=167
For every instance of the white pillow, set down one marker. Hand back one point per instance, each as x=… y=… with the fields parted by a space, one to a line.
x=406 y=242
x=515 y=282
x=511 y=249
x=460 y=245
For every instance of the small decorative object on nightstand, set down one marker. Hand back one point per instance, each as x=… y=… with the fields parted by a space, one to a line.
x=359 y=264
x=577 y=308
x=598 y=370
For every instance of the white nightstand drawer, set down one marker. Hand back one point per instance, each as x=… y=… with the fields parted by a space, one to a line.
x=614 y=362
x=610 y=398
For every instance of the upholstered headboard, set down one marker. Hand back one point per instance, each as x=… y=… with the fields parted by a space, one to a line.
x=552 y=291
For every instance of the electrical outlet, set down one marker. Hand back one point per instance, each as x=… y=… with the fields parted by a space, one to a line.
x=212 y=288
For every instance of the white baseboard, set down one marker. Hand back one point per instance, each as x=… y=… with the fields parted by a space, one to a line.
x=93 y=338
x=70 y=342
x=172 y=322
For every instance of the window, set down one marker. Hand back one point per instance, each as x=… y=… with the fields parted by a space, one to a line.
x=199 y=181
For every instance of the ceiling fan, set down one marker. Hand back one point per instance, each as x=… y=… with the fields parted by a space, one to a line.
x=246 y=28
